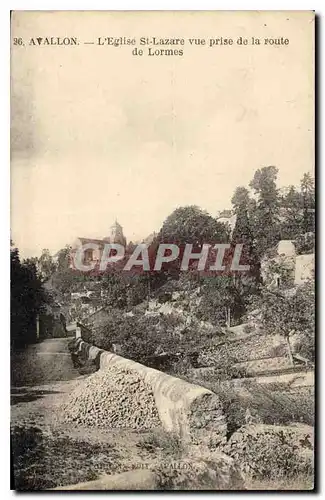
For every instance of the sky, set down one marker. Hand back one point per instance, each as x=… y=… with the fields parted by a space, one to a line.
x=98 y=134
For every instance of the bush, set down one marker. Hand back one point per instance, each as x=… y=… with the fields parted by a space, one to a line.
x=43 y=460
x=275 y=405
x=162 y=342
x=305 y=243
x=249 y=328
x=263 y=451
x=294 y=313
x=167 y=442
x=140 y=337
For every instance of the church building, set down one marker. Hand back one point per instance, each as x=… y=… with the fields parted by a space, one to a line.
x=94 y=255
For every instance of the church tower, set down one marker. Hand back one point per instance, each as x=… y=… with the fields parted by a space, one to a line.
x=116 y=234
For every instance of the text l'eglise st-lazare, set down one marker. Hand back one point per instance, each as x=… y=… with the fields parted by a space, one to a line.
x=54 y=40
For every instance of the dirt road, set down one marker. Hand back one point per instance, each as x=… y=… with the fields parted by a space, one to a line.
x=43 y=363
x=47 y=453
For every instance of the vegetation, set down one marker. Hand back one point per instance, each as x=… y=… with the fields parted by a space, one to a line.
x=168 y=442
x=174 y=322
x=294 y=313
x=192 y=225
x=305 y=243
x=264 y=215
x=28 y=299
x=264 y=451
x=44 y=461
x=266 y=211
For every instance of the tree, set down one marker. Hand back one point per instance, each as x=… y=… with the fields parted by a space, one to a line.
x=240 y=199
x=305 y=243
x=308 y=199
x=187 y=225
x=139 y=337
x=287 y=314
x=28 y=298
x=191 y=224
x=243 y=234
x=298 y=209
x=46 y=265
x=64 y=279
x=225 y=298
x=266 y=221
x=63 y=258
x=242 y=231
x=291 y=207
x=279 y=271
x=115 y=289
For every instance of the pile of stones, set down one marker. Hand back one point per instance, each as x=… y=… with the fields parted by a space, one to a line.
x=112 y=398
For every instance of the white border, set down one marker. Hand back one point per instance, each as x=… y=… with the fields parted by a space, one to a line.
x=5 y=7
x=164 y=5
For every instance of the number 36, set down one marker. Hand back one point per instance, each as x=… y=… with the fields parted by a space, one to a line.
x=18 y=41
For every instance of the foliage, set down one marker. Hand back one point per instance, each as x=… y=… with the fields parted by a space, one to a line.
x=137 y=336
x=221 y=293
x=240 y=199
x=266 y=217
x=124 y=291
x=265 y=450
x=66 y=281
x=42 y=461
x=291 y=203
x=191 y=224
x=63 y=258
x=162 y=341
x=46 y=265
x=274 y=214
x=28 y=298
x=266 y=404
x=281 y=267
x=294 y=313
x=115 y=290
x=168 y=443
x=243 y=233
x=298 y=210
x=258 y=227
x=305 y=243
x=308 y=197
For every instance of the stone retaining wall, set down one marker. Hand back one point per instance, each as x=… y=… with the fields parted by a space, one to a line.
x=188 y=410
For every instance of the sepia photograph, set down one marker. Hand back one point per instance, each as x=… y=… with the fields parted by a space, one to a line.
x=162 y=250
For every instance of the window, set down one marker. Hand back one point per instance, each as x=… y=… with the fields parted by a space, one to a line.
x=88 y=255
